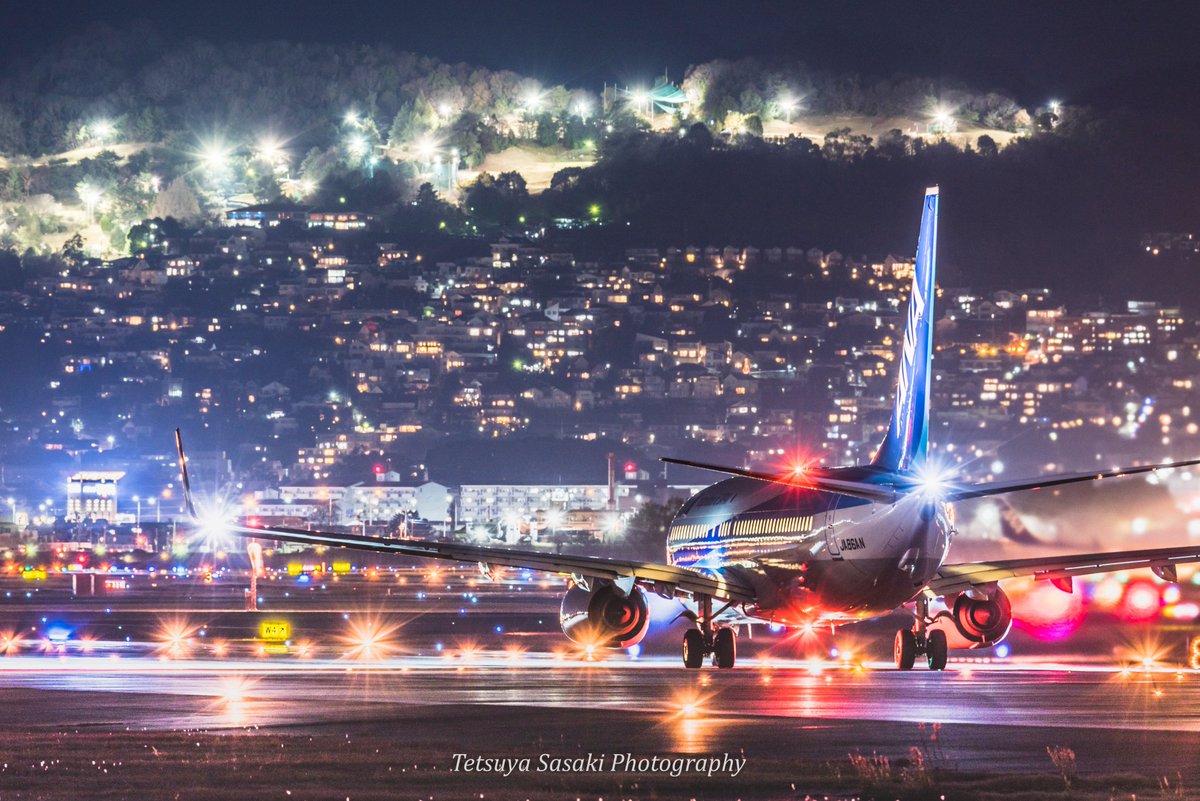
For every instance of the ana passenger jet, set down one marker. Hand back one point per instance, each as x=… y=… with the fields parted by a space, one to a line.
x=810 y=546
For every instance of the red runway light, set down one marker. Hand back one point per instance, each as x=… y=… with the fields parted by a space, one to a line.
x=1142 y=601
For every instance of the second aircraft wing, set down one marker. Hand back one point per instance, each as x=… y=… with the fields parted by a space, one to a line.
x=960 y=577
x=662 y=576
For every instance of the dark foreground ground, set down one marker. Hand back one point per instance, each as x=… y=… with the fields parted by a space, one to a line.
x=409 y=756
x=193 y=732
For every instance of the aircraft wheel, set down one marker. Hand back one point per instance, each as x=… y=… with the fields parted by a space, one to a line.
x=936 y=650
x=724 y=648
x=906 y=649
x=693 y=648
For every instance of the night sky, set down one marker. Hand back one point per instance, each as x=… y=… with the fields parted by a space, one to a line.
x=1104 y=53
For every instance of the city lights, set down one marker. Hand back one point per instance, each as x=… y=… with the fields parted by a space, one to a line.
x=688 y=387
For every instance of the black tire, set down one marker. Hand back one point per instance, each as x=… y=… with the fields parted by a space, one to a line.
x=724 y=648
x=906 y=649
x=693 y=648
x=936 y=651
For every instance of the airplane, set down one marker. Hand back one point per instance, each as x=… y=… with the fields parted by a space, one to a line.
x=807 y=546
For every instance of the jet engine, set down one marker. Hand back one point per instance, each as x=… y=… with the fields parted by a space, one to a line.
x=983 y=622
x=604 y=615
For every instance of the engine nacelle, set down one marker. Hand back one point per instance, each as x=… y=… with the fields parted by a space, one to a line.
x=983 y=623
x=604 y=616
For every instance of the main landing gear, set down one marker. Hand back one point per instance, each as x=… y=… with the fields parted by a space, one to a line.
x=707 y=640
x=920 y=640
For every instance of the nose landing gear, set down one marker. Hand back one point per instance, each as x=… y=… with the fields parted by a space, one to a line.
x=920 y=640
x=707 y=640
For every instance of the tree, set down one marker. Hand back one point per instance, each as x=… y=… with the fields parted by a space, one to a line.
x=646 y=534
x=547 y=130
x=498 y=201
x=986 y=145
x=415 y=119
x=14 y=183
x=426 y=214
x=148 y=233
x=178 y=201
x=72 y=250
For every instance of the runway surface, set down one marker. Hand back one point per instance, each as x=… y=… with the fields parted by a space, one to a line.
x=976 y=716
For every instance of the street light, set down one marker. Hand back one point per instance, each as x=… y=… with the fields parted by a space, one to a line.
x=91 y=196
x=425 y=147
x=789 y=105
x=640 y=97
x=270 y=150
x=214 y=156
x=943 y=119
x=532 y=100
x=102 y=130
x=138 y=520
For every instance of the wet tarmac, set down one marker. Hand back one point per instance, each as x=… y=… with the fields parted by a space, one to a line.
x=974 y=716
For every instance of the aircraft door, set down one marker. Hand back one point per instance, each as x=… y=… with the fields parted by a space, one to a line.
x=830 y=533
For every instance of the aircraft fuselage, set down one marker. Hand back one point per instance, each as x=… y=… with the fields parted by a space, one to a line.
x=813 y=556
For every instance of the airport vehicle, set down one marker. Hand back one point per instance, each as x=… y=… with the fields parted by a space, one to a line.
x=811 y=545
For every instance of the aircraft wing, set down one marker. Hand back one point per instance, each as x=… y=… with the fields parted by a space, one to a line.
x=663 y=576
x=898 y=486
x=960 y=577
x=962 y=493
x=666 y=579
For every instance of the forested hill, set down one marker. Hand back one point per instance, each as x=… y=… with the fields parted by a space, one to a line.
x=162 y=89
x=756 y=154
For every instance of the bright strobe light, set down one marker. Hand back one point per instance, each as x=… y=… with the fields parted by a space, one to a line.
x=214 y=523
x=102 y=130
x=933 y=480
x=214 y=156
x=270 y=151
x=532 y=100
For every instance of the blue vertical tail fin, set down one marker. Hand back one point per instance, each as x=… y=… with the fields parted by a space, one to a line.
x=908 y=434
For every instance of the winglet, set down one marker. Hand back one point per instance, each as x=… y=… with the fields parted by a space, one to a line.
x=183 y=476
